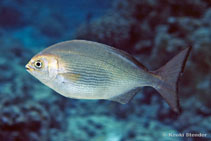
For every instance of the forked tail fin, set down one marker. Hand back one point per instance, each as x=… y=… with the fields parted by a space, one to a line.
x=169 y=75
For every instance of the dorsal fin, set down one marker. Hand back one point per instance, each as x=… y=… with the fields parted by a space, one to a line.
x=125 y=97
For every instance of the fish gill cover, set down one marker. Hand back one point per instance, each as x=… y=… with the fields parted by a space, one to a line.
x=152 y=31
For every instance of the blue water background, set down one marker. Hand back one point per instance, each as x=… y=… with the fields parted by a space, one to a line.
x=152 y=31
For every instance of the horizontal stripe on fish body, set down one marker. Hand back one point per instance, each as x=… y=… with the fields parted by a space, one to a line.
x=94 y=71
x=90 y=75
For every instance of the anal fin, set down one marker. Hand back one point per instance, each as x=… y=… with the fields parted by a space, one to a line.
x=125 y=97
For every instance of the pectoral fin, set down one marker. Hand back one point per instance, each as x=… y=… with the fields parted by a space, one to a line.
x=71 y=76
x=125 y=97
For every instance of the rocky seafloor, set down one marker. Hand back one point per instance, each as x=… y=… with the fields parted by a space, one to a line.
x=151 y=30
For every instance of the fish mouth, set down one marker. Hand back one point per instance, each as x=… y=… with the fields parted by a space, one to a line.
x=28 y=68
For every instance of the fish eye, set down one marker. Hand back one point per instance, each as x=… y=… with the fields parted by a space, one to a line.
x=38 y=64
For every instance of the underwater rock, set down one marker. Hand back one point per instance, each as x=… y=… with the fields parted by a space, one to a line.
x=22 y=119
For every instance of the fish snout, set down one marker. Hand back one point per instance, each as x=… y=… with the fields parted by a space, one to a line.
x=28 y=68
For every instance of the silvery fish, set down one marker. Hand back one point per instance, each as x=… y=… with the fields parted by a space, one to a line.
x=89 y=70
